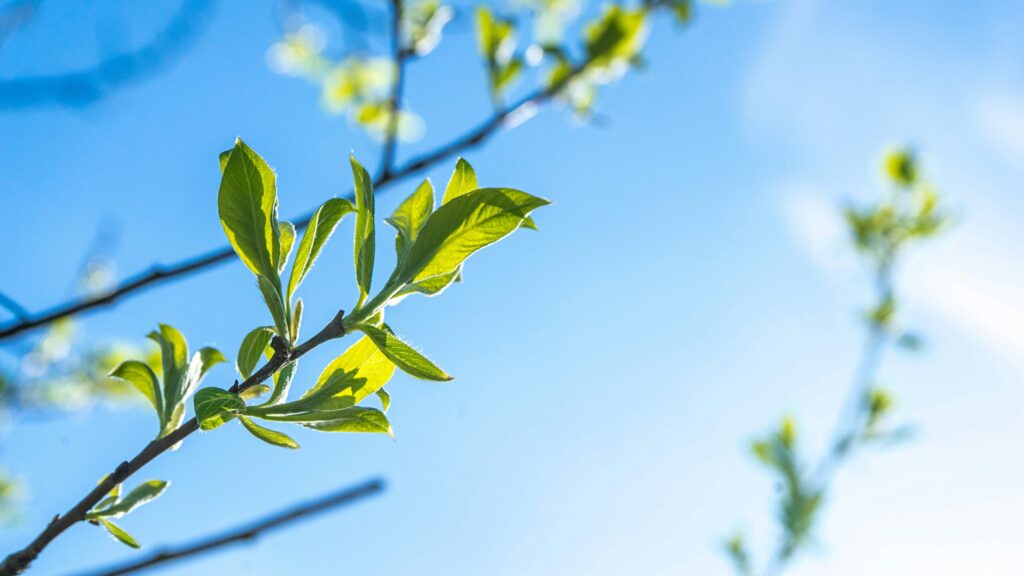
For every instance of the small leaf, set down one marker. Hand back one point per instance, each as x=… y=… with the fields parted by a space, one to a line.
x=118 y=533
x=208 y=358
x=282 y=382
x=267 y=435
x=360 y=371
x=431 y=286
x=364 y=242
x=141 y=494
x=403 y=355
x=174 y=357
x=321 y=226
x=296 y=322
x=355 y=419
x=463 y=180
x=252 y=348
x=272 y=296
x=286 y=230
x=461 y=227
x=247 y=204
x=410 y=216
x=215 y=406
x=385 y=400
x=140 y=375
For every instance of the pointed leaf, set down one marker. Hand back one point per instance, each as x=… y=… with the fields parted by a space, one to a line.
x=174 y=356
x=267 y=435
x=215 y=406
x=282 y=382
x=118 y=533
x=247 y=204
x=461 y=227
x=286 y=230
x=140 y=375
x=385 y=400
x=403 y=355
x=355 y=419
x=252 y=348
x=410 y=216
x=364 y=243
x=320 y=228
x=296 y=321
x=360 y=371
x=463 y=180
x=141 y=494
x=254 y=392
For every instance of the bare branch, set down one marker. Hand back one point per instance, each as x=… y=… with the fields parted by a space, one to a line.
x=399 y=56
x=19 y=561
x=248 y=531
x=13 y=307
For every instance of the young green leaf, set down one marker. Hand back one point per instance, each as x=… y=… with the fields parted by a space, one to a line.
x=461 y=227
x=463 y=180
x=174 y=355
x=141 y=494
x=275 y=304
x=354 y=419
x=385 y=400
x=267 y=435
x=208 y=357
x=201 y=362
x=282 y=382
x=247 y=203
x=118 y=533
x=364 y=243
x=296 y=321
x=140 y=375
x=287 y=232
x=430 y=286
x=253 y=346
x=320 y=228
x=215 y=406
x=410 y=216
x=254 y=392
x=359 y=371
x=403 y=355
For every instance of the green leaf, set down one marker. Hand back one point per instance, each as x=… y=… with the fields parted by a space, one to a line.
x=410 y=216
x=140 y=375
x=252 y=348
x=118 y=533
x=321 y=226
x=201 y=362
x=461 y=227
x=287 y=232
x=354 y=419
x=141 y=494
x=272 y=296
x=296 y=322
x=385 y=400
x=208 y=358
x=403 y=355
x=267 y=435
x=431 y=286
x=463 y=180
x=215 y=406
x=359 y=371
x=364 y=242
x=174 y=356
x=247 y=204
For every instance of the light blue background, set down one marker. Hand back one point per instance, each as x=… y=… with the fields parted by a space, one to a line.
x=689 y=286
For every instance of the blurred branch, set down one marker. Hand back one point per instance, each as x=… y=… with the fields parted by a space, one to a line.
x=247 y=532
x=77 y=88
x=13 y=307
x=399 y=55
x=15 y=15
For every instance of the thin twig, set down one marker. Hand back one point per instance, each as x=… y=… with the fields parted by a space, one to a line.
x=19 y=561
x=160 y=274
x=248 y=531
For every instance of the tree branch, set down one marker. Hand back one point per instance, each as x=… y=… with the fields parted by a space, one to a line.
x=19 y=561
x=248 y=531
x=160 y=274
x=13 y=307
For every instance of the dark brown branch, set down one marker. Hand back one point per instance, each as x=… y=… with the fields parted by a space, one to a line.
x=249 y=531
x=161 y=274
x=19 y=561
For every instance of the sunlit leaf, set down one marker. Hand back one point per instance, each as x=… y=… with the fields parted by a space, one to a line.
x=463 y=180
x=364 y=242
x=140 y=375
x=118 y=533
x=215 y=406
x=267 y=435
x=253 y=346
x=403 y=355
x=247 y=203
x=320 y=228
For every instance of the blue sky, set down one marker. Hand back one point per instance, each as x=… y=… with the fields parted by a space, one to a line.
x=689 y=286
